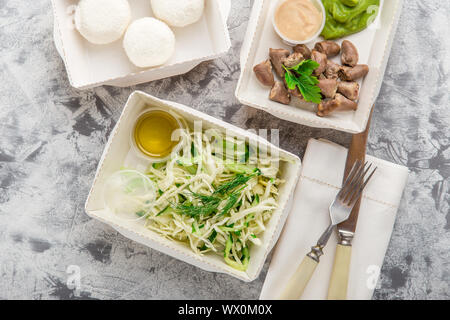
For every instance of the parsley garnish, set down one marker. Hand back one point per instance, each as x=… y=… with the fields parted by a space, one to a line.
x=300 y=76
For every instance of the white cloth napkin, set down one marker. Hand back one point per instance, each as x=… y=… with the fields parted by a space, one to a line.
x=320 y=180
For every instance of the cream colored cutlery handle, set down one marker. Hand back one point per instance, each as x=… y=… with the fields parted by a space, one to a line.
x=299 y=280
x=339 y=277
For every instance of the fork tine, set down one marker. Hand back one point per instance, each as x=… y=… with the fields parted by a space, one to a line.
x=346 y=180
x=351 y=182
x=357 y=186
x=357 y=182
x=355 y=169
x=352 y=172
x=356 y=196
x=368 y=178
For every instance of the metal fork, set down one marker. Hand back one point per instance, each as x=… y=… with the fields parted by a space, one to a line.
x=340 y=210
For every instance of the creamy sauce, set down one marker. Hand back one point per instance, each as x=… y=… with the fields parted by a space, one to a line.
x=298 y=19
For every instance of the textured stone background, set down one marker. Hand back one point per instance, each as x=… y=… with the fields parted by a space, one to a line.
x=52 y=136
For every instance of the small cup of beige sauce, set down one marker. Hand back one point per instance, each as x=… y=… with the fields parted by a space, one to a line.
x=299 y=21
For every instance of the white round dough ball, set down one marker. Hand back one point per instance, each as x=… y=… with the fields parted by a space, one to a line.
x=149 y=42
x=102 y=21
x=178 y=13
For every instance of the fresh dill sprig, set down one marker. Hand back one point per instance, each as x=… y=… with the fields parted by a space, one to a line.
x=228 y=187
x=210 y=203
x=195 y=211
x=231 y=202
x=204 y=198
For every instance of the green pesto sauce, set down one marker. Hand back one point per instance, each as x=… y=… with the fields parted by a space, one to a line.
x=345 y=17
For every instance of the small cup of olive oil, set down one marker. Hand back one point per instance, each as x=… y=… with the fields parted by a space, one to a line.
x=154 y=134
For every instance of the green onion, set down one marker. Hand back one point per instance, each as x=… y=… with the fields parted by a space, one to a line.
x=158 y=165
x=245 y=258
x=193 y=150
x=163 y=211
x=181 y=197
x=213 y=236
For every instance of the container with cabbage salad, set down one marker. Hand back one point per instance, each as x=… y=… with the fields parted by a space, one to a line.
x=216 y=195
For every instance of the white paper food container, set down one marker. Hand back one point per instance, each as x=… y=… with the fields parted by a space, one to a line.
x=374 y=45
x=91 y=65
x=116 y=151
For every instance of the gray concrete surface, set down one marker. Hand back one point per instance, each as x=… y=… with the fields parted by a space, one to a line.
x=52 y=136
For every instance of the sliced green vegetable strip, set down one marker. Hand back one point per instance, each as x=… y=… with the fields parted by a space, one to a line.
x=158 y=165
x=245 y=256
x=166 y=209
x=213 y=236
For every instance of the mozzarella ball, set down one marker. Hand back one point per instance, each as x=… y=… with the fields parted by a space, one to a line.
x=149 y=42
x=178 y=13
x=102 y=21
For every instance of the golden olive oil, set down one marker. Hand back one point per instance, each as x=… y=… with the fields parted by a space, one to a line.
x=153 y=133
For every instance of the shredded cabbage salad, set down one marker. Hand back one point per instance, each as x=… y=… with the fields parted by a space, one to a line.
x=216 y=195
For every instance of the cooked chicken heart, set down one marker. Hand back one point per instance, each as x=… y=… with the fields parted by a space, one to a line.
x=349 y=54
x=349 y=89
x=351 y=74
x=276 y=57
x=339 y=103
x=279 y=93
x=293 y=60
x=263 y=72
x=321 y=59
x=304 y=50
x=330 y=48
x=328 y=87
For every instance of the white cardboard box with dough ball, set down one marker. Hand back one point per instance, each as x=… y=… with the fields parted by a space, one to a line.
x=89 y=65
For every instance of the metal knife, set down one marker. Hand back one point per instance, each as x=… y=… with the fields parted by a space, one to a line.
x=337 y=289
